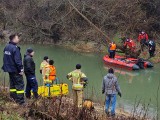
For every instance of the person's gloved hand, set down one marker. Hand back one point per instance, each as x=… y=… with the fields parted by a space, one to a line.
x=103 y=91
x=85 y=84
x=40 y=71
x=120 y=95
x=69 y=76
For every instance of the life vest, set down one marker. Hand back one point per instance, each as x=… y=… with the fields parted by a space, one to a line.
x=143 y=37
x=113 y=47
x=131 y=44
x=50 y=72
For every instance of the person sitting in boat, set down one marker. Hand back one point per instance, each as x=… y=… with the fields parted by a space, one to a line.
x=129 y=43
x=152 y=46
x=112 y=50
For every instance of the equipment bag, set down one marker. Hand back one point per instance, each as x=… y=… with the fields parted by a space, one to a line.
x=54 y=90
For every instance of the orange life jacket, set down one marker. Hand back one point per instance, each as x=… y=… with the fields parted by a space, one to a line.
x=143 y=36
x=131 y=44
x=113 y=47
x=52 y=74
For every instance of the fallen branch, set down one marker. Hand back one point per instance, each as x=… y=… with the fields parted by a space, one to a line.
x=99 y=30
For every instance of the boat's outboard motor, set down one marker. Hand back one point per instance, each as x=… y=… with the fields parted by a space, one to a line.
x=149 y=64
x=135 y=67
x=140 y=63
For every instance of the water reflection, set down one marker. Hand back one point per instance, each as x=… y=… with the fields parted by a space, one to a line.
x=129 y=75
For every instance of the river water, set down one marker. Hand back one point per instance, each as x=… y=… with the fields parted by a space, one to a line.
x=135 y=85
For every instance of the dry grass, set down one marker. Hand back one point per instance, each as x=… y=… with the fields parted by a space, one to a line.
x=58 y=108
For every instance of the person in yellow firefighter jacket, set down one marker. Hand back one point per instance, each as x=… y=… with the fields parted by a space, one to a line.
x=49 y=73
x=79 y=81
x=44 y=64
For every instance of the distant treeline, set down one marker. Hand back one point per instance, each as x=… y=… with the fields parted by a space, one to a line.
x=56 y=21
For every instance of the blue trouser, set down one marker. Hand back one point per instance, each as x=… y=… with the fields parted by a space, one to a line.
x=32 y=85
x=110 y=99
x=112 y=53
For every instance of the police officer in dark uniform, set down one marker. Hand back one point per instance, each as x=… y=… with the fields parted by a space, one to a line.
x=12 y=63
x=29 y=70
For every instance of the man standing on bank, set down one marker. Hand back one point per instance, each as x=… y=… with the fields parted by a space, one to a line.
x=110 y=88
x=29 y=70
x=79 y=80
x=12 y=63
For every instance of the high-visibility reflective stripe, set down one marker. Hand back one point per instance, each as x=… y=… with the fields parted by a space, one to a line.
x=77 y=85
x=47 y=81
x=77 y=75
x=13 y=90
x=19 y=92
x=43 y=64
x=52 y=75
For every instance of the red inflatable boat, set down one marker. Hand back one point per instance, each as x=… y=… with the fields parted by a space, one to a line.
x=127 y=63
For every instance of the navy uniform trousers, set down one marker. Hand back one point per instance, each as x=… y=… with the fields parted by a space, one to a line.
x=32 y=86
x=17 y=87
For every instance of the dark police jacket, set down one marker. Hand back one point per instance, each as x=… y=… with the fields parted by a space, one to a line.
x=29 y=65
x=12 y=60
